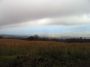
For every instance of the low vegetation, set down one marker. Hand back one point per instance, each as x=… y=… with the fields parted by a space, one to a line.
x=24 y=53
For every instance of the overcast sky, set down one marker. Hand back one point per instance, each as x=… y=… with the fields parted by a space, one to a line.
x=23 y=13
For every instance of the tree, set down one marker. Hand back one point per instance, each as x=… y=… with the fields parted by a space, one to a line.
x=35 y=37
x=1 y=37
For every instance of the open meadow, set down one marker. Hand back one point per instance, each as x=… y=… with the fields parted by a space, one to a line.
x=25 y=53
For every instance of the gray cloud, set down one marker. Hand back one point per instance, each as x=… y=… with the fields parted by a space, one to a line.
x=71 y=20
x=16 y=11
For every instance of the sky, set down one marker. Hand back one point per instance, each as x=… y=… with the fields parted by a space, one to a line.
x=46 y=17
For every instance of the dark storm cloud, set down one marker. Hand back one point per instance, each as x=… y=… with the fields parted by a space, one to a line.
x=16 y=11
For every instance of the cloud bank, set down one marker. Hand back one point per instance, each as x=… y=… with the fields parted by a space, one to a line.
x=44 y=12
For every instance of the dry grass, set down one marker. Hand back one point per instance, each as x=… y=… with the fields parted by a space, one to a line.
x=44 y=44
x=45 y=53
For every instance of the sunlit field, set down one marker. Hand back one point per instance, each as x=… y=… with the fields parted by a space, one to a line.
x=23 y=53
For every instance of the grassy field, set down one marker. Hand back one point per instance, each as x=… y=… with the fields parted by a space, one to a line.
x=22 y=53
